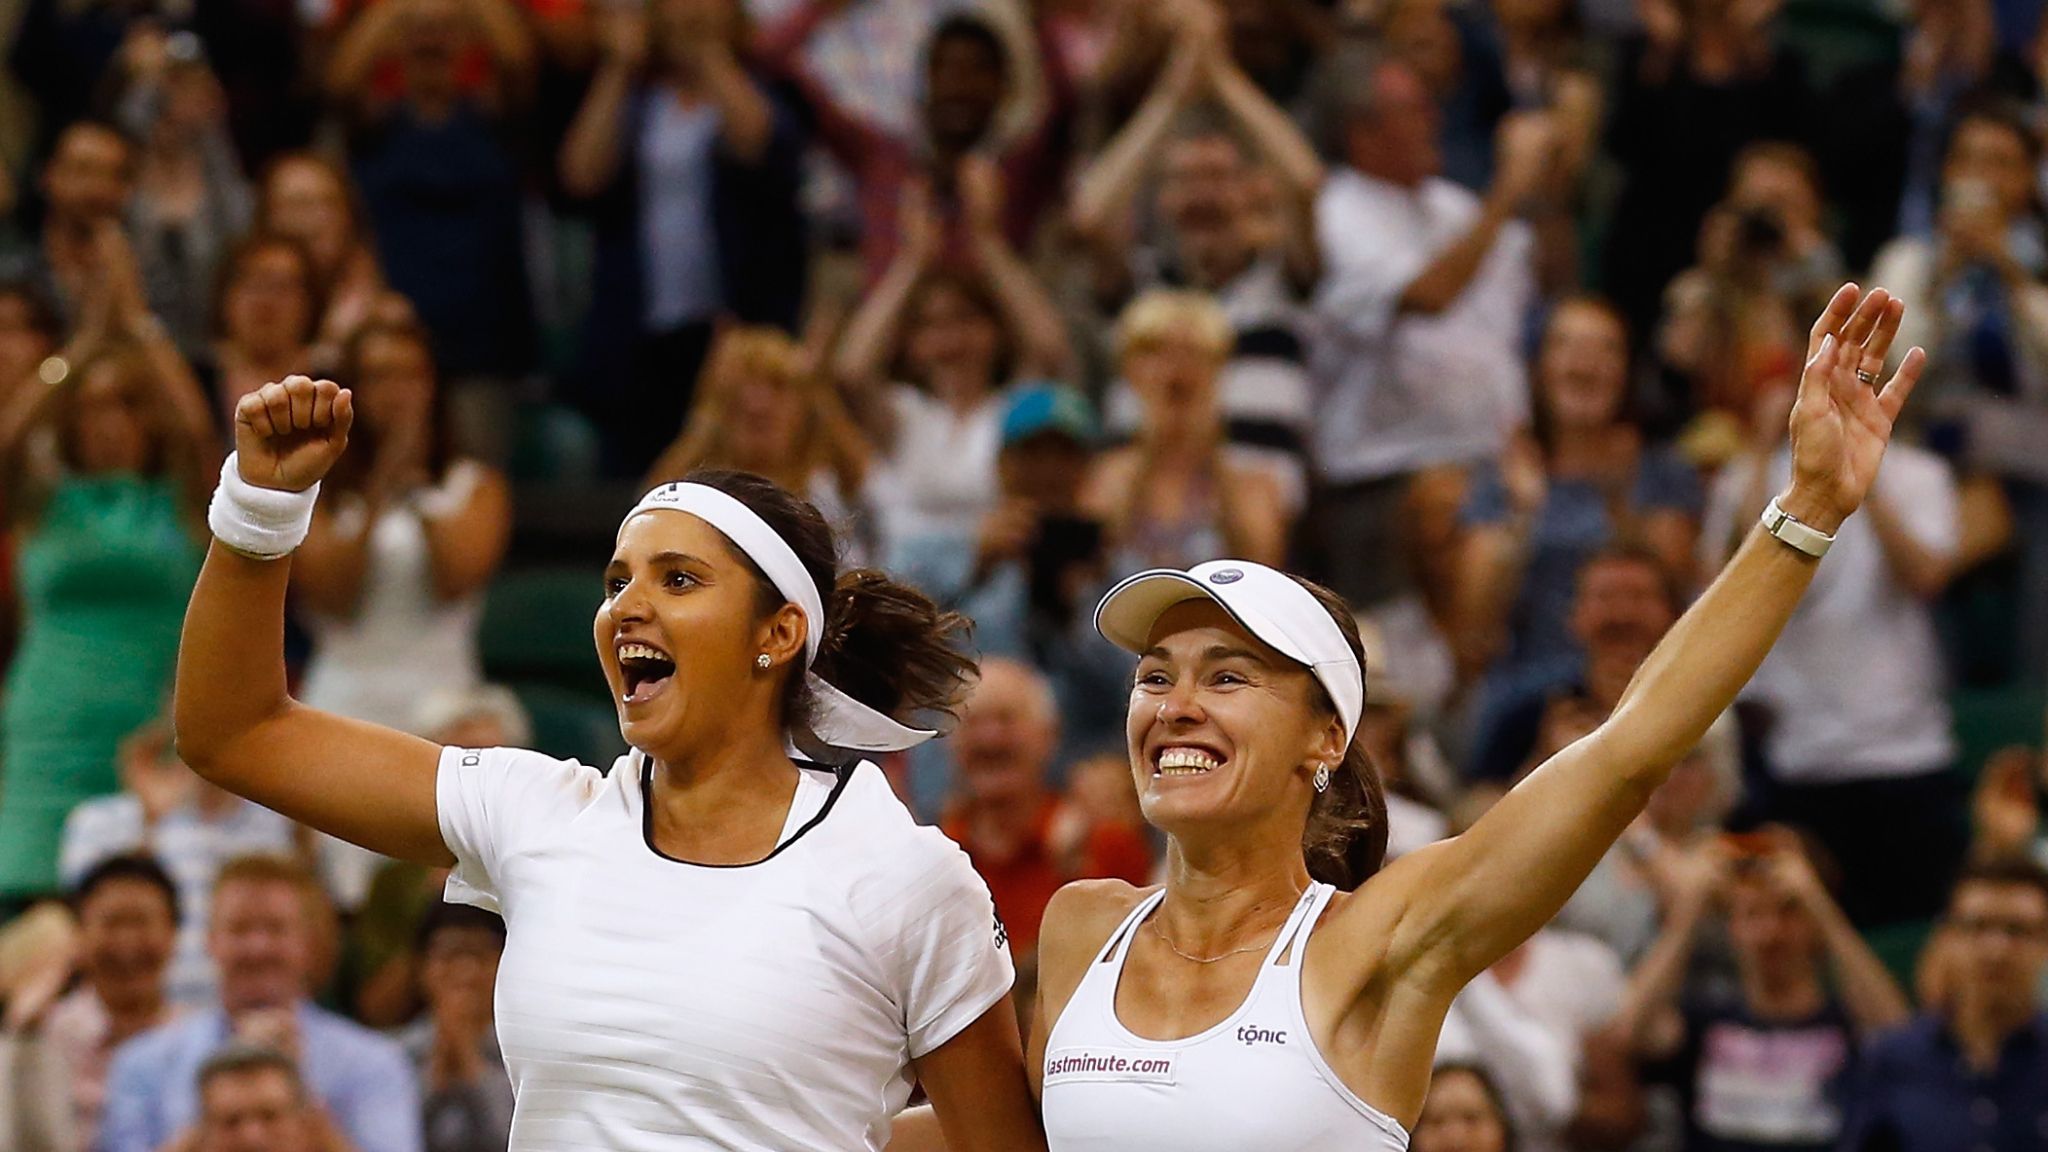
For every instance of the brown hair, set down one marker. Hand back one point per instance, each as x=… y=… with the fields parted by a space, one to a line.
x=1345 y=842
x=885 y=644
x=267 y=869
x=240 y=1059
x=353 y=469
x=972 y=289
x=358 y=214
x=247 y=249
x=168 y=450
x=2003 y=872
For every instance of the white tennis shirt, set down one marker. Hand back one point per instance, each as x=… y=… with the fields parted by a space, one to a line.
x=647 y=1003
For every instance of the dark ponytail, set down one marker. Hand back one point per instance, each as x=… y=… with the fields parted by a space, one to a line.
x=1346 y=838
x=885 y=644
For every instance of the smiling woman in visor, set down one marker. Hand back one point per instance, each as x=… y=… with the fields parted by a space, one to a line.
x=1281 y=990
x=735 y=939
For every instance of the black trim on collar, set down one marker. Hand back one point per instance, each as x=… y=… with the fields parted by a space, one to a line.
x=647 y=811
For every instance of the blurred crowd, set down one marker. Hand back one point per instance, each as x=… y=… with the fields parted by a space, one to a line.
x=1486 y=313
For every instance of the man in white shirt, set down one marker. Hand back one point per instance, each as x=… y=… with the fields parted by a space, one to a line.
x=1858 y=743
x=1419 y=324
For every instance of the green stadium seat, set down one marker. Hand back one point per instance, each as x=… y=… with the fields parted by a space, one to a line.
x=572 y=725
x=1987 y=719
x=536 y=627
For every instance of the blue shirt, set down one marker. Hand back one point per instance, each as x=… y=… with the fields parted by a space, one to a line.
x=1917 y=1093
x=363 y=1079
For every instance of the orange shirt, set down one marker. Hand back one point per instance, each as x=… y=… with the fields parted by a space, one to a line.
x=1023 y=884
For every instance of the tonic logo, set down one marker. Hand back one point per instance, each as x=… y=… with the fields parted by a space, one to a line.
x=1226 y=576
x=1249 y=1035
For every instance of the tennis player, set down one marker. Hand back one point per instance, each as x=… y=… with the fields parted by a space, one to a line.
x=736 y=938
x=1280 y=991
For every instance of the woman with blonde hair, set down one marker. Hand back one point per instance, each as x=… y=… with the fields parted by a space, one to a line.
x=761 y=407
x=1179 y=493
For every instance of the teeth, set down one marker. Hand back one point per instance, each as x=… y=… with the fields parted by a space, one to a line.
x=640 y=652
x=1185 y=762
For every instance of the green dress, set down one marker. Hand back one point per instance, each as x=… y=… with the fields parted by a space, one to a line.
x=104 y=576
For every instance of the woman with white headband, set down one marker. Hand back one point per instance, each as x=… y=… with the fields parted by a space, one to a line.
x=1280 y=991
x=722 y=943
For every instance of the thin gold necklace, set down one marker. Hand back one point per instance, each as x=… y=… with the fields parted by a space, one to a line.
x=1153 y=924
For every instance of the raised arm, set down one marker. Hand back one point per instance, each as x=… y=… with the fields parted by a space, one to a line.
x=1271 y=131
x=1472 y=899
x=1103 y=193
x=589 y=158
x=510 y=41
x=870 y=339
x=1042 y=345
x=1650 y=1018
x=237 y=726
x=468 y=528
x=746 y=120
x=1873 y=998
x=372 y=36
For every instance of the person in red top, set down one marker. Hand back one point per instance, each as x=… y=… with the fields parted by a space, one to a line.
x=1003 y=814
x=969 y=76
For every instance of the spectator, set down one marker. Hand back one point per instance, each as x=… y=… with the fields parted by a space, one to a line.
x=2006 y=809
x=1036 y=564
x=86 y=185
x=261 y=941
x=454 y=1049
x=1624 y=600
x=107 y=547
x=127 y=912
x=695 y=171
x=268 y=314
x=1573 y=984
x=1765 y=1069
x=1531 y=1062
x=1462 y=71
x=189 y=827
x=38 y=954
x=1776 y=188
x=308 y=199
x=1636 y=885
x=251 y=1099
x=968 y=77
x=1699 y=82
x=441 y=180
x=955 y=340
x=29 y=333
x=761 y=408
x=1178 y=496
x=1856 y=739
x=1971 y=287
x=1422 y=306
x=1968 y=1073
x=1002 y=813
x=1463 y=1112
x=1583 y=477
x=384 y=935
x=1222 y=221
x=191 y=198
x=407 y=535
x=1974 y=299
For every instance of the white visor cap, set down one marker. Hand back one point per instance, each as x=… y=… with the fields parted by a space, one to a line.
x=1270 y=604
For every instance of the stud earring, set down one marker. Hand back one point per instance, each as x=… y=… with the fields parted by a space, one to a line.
x=1321 y=780
x=762 y=662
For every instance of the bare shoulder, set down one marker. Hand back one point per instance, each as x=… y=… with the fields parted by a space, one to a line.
x=1078 y=921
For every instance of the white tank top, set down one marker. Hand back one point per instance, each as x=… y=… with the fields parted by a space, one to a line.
x=1255 y=1080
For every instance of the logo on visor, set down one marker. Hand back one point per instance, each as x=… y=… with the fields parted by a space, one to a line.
x=1226 y=576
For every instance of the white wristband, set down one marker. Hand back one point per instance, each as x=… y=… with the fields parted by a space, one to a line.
x=1804 y=537
x=263 y=523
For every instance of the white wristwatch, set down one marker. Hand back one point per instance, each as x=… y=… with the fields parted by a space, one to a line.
x=1804 y=537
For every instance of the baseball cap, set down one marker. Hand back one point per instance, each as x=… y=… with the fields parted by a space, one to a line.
x=1043 y=407
x=1270 y=604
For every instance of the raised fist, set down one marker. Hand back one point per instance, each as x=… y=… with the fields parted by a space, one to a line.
x=288 y=434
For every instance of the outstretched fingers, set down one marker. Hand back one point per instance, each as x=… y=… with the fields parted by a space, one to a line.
x=1892 y=400
x=1833 y=318
x=1879 y=346
x=1866 y=320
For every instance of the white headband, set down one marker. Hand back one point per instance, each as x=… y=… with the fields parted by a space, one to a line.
x=840 y=721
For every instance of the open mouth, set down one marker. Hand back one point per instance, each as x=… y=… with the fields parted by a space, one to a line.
x=646 y=670
x=1181 y=761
